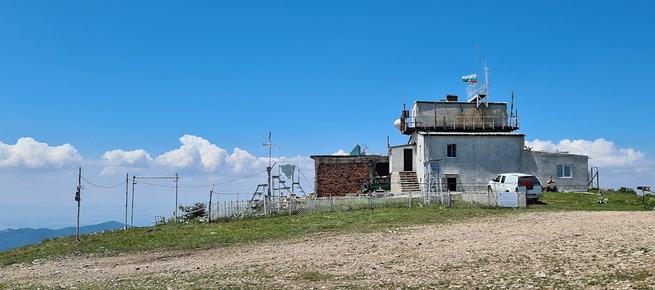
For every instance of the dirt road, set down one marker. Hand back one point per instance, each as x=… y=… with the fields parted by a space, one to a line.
x=543 y=250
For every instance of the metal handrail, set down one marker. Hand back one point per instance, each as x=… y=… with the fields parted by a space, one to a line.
x=470 y=122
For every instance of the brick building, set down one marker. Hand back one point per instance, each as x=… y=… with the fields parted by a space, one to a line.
x=338 y=175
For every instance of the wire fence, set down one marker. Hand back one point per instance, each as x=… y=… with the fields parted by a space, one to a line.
x=314 y=205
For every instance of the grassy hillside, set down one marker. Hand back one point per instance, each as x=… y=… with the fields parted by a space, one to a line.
x=192 y=236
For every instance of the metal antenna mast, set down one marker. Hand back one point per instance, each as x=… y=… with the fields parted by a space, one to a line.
x=511 y=110
x=477 y=66
x=475 y=93
x=269 y=143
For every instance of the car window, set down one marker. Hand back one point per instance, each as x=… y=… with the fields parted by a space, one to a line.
x=502 y=180
x=528 y=181
x=497 y=179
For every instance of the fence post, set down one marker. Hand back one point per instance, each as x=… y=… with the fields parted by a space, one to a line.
x=265 y=207
x=331 y=203
x=410 y=199
x=488 y=198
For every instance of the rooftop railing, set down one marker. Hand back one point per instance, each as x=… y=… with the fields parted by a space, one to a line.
x=466 y=123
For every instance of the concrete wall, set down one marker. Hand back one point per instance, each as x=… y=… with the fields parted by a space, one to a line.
x=439 y=114
x=480 y=156
x=397 y=157
x=544 y=164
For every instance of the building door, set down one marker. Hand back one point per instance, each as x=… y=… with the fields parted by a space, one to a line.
x=452 y=183
x=407 y=160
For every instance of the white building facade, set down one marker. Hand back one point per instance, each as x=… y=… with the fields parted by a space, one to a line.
x=460 y=146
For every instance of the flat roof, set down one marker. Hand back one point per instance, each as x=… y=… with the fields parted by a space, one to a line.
x=450 y=102
x=470 y=133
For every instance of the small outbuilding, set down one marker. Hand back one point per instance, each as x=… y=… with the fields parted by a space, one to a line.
x=339 y=175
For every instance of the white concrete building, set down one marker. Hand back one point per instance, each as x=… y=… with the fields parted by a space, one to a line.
x=460 y=146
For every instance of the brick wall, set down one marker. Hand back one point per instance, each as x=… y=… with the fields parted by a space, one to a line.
x=340 y=179
x=340 y=175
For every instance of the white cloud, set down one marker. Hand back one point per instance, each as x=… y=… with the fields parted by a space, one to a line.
x=340 y=152
x=117 y=162
x=119 y=157
x=33 y=154
x=194 y=152
x=241 y=161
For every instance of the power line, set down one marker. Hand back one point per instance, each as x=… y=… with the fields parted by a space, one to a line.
x=189 y=186
x=100 y=186
x=207 y=185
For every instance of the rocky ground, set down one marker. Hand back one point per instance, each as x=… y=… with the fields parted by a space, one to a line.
x=598 y=250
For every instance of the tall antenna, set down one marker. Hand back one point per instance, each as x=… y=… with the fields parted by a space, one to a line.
x=477 y=66
x=485 y=88
x=404 y=102
x=269 y=143
x=511 y=110
x=475 y=93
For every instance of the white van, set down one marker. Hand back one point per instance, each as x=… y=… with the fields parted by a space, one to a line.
x=515 y=182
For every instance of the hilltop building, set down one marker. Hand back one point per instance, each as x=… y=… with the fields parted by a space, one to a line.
x=460 y=146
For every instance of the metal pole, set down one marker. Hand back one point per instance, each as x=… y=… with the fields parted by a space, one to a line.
x=127 y=189
x=78 y=197
x=209 y=213
x=132 y=217
x=176 y=203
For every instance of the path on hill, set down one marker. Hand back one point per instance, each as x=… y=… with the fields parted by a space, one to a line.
x=565 y=249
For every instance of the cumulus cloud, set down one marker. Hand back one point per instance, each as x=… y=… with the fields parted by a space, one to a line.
x=601 y=152
x=30 y=153
x=241 y=161
x=119 y=157
x=118 y=161
x=194 y=152
x=197 y=153
x=340 y=152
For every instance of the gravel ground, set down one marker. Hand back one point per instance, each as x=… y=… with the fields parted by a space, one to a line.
x=597 y=250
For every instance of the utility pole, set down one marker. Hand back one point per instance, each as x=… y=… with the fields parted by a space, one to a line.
x=177 y=178
x=132 y=217
x=78 y=198
x=209 y=213
x=127 y=184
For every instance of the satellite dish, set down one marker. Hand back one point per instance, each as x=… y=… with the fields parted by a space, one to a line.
x=397 y=124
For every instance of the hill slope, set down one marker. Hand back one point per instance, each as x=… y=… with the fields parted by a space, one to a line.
x=569 y=250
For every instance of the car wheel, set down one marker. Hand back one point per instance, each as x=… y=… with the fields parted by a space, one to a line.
x=488 y=189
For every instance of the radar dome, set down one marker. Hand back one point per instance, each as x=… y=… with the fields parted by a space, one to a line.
x=396 y=124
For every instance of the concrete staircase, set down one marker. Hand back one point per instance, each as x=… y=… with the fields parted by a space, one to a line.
x=409 y=182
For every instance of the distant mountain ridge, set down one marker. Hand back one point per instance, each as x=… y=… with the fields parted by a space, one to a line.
x=16 y=238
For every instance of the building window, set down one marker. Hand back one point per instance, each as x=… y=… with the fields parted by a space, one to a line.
x=564 y=171
x=451 y=150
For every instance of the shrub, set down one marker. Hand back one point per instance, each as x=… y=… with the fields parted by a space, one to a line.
x=195 y=211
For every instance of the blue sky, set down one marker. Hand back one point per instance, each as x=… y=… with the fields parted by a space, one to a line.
x=154 y=88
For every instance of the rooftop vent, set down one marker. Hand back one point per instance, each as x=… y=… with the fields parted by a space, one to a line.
x=451 y=98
